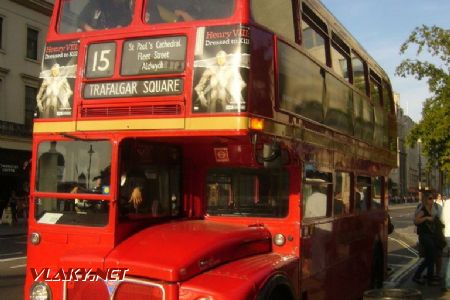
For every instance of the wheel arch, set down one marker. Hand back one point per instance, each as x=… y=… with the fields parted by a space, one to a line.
x=277 y=287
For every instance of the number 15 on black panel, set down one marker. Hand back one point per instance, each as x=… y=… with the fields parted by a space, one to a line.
x=100 y=60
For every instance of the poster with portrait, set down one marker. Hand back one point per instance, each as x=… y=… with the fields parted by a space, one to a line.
x=221 y=67
x=59 y=65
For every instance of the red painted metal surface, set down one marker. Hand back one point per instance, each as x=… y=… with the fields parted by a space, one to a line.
x=227 y=257
x=242 y=279
x=180 y=250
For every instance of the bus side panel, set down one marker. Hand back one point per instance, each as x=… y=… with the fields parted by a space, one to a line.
x=337 y=256
x=262 y=75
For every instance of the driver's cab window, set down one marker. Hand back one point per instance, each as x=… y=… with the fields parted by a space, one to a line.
x=149 y=180
x=89 y=15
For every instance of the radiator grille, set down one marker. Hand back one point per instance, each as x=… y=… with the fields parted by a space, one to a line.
x=130 y=289
x=127 y=291
x=118 y=111
x=83 y=290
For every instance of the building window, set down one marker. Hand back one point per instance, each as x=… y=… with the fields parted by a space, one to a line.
x=30 y=105
x=32 y=43
x=1 y=33
x=2 y=98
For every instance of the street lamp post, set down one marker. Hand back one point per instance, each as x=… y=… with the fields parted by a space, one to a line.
x=419 y=141
x=90 y=152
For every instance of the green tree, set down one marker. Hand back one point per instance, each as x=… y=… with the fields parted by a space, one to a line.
x=434 y=128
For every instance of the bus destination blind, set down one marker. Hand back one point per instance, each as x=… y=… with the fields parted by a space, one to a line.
x=154 y=56
x=133 y=88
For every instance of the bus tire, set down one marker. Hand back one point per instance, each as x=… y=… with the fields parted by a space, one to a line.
x=377 y=267
x=277 y=288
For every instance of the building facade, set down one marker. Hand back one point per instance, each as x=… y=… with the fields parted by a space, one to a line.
x=413 y=173
x=23 y=28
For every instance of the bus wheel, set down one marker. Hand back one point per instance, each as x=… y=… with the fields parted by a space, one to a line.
x=277 y=288
x=377 y=267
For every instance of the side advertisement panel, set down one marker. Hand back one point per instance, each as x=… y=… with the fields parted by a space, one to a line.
x=59 y=64
x=221 y=68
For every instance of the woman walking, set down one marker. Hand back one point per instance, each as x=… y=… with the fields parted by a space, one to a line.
x=425 y=229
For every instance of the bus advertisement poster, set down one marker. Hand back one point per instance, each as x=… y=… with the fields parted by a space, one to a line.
x=59 y=65
x=221 y=67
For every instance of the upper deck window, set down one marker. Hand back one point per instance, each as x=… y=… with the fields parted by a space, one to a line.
x=359 y=73
x=278 y=16
x=314 y=42
x=340 y=57
x=387 y=97
x=169 y=11
x=88 y=15
x=375 y=89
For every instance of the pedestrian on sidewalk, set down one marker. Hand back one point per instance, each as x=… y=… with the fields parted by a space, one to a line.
x=13 y=202
x=439 y=233
x=4 y=196
x=424 y=221
x=446 y=220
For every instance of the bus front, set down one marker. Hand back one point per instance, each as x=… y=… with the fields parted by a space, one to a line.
x=145 y=174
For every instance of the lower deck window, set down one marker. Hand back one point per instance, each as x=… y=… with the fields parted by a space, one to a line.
x=363 y=195
x=248 y=192
x=317 y=191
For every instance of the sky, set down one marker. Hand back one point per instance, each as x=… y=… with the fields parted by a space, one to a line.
x=381 y=27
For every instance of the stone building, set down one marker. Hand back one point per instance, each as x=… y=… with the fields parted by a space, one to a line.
x=413 y=173
x=23 y=29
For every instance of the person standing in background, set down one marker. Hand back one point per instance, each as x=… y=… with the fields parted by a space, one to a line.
x=445 y=217
x=439 y=205
x=4 y=196
x=424 y=221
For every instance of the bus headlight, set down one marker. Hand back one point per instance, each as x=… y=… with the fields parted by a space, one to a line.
x=279 y=239
x=40 y=291
x=35 y=238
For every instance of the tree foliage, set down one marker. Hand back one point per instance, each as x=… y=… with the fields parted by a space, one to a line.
x=434 y=128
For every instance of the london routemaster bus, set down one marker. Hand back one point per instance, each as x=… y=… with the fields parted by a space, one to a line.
x=220 y=149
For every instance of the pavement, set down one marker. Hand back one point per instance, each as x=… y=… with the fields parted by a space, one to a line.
x=7 y=230
x=441 y=292
x=404 y=279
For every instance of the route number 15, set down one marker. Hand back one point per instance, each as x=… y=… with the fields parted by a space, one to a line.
x=100 y=60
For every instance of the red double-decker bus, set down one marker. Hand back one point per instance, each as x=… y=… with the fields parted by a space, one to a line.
x=220 y=149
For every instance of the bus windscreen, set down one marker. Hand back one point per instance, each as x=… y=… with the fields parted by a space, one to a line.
x=169 y=11
x=89 y=15
x=74 y=167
